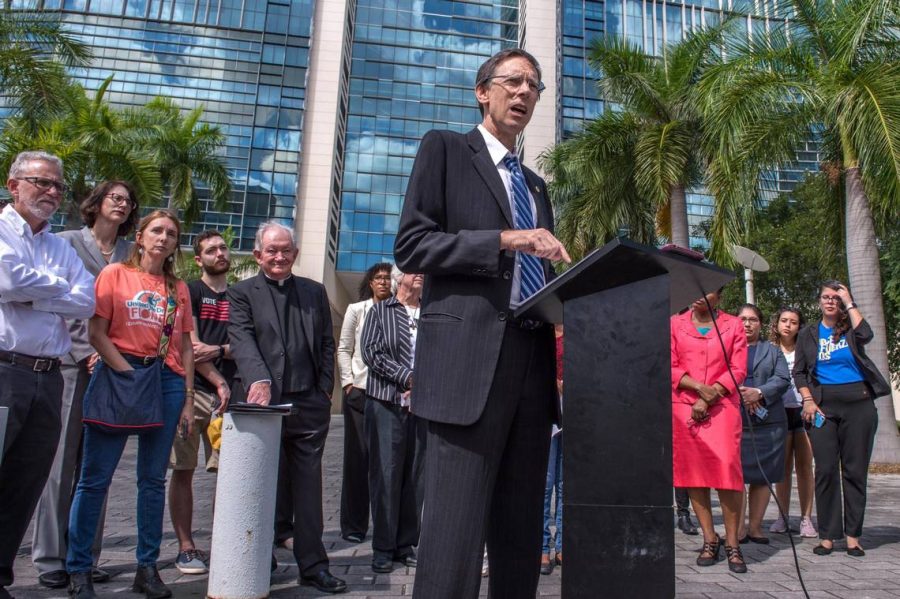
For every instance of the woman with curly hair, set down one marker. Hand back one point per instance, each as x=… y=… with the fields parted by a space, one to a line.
x=797 y=450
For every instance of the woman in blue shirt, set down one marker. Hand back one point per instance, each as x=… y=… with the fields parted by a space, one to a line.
x=837 y=379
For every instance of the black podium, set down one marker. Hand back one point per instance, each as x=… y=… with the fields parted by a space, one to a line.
x=617 y=414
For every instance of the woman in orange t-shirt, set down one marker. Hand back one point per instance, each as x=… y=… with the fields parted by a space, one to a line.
x=125 y=331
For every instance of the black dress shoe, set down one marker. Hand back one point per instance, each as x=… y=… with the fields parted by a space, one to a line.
x=148 y=582
x=81 y=586
x=98 y=575
x=685 y=525
x=409 y=560
x=821 y=549
x=856 y=551
x=354 y=537
x=325 y=582
x=758 y=540
x=56 y=579
x=382 y=564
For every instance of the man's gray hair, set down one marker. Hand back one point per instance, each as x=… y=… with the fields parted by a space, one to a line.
x=396 y=275
x=269 y=225
x=24 y=158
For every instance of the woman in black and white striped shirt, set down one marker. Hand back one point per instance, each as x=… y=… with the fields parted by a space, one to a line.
x=395 y=437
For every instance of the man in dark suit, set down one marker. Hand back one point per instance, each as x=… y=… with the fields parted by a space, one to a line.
x=478 y=225
x=281 y=339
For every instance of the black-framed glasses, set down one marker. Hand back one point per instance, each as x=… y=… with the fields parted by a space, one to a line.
x=44 y=184
x=830 y=299
x=514 y=82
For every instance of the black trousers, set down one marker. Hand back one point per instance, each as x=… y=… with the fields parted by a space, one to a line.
x=485 y=482
x=396 y=441
x=355 y=483
x=32 y=434
x=842 y=448
x=303 y=441
x=682 y=502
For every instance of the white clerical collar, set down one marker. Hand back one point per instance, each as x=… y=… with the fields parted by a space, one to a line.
x=495 y=147
x=279 y=282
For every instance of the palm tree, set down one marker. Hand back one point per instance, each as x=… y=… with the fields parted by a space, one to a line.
x=93 y=140
x=34 y=51
x=185 y=150
x=832 y=69
x=633 y=165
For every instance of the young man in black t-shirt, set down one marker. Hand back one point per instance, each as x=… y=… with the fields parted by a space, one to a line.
x=212 y=388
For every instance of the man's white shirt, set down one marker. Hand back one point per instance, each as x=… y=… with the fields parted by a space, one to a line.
x=498 y=152
x=42 y=282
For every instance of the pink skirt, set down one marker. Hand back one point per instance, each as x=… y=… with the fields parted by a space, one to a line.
x=707 y=454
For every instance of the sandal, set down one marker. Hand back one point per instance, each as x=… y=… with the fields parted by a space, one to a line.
x=735 y=559
x=711 y=551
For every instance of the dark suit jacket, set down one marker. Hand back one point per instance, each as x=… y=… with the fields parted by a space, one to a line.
x=808 y=354
x=455 y=207
x=256 y=337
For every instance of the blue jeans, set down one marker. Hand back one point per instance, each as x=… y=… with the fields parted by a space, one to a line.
x=554 y=481
x=101 y=453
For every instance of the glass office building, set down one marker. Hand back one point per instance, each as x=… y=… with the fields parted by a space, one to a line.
x=413 y=65
x=370 y=78
x=244 y=61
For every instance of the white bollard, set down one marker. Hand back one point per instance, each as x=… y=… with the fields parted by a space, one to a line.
x=243 y=525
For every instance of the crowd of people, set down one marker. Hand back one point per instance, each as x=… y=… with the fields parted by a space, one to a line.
x=746 y=411
x=453 y=446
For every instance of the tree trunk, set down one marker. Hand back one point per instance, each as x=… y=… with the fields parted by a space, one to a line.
x=678 y=216
x=865 y=285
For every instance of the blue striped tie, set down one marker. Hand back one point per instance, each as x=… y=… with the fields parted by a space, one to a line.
x=530 y=266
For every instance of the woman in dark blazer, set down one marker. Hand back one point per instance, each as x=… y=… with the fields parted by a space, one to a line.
x=837 y=379
x=396 y=438
x=762 y=445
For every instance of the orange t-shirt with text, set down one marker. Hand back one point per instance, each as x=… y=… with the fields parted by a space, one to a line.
x=134 y=303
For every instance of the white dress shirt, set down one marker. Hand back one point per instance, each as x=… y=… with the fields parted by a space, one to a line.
x=42 y=282
x=498 y=152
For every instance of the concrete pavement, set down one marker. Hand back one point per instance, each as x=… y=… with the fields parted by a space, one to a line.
x=771 y=574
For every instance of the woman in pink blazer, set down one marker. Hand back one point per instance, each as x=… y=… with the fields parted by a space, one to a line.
x=706 y=420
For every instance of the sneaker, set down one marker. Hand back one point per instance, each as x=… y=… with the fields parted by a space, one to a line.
x=778 y=526
x=808 y=529
x=191 y=561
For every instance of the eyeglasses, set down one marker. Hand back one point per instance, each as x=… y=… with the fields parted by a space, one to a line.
x=119 y=199
x=513 y=82
x=830 y=299
x=44 y=184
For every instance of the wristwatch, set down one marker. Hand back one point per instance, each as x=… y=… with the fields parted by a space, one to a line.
x=221 y=351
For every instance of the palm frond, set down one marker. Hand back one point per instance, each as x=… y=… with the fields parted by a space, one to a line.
x=628 y=76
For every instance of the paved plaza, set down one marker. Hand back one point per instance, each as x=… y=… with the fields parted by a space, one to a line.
x=771 y=567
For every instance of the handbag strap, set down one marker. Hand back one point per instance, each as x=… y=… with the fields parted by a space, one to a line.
x=169 y=324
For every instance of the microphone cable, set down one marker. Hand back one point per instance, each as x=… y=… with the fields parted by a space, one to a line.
x=781 y=511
